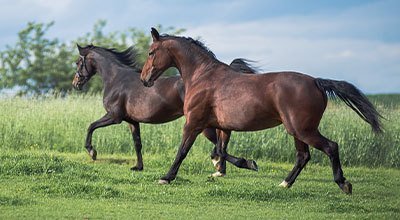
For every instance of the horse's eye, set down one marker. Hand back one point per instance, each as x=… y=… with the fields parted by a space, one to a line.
x=151 y=53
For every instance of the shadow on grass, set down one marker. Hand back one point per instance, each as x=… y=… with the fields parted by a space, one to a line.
x=112 y=161
x=77 y=189
x=262 y=195
x=11 y=201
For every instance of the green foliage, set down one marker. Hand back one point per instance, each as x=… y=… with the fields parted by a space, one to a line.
x=61 y=123
x=56 y=185
x=37 y=64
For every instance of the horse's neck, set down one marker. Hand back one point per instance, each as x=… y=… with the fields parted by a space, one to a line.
x=192 y=67
x=107 y=71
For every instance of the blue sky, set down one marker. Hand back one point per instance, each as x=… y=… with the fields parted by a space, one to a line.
x=356 y=41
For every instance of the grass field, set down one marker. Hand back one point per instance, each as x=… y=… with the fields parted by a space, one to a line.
x=47 y=184
x=60 y=124
x=45 y=172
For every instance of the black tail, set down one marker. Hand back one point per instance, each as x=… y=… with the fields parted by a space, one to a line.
x=354 y=98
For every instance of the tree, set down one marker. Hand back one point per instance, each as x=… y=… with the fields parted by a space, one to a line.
x=37 y=65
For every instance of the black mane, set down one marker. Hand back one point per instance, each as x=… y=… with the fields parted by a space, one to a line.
x=239 y=64
x=244 y=66
x=198 y=43
x=126 y=58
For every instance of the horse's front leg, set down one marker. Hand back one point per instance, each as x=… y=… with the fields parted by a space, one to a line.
x=106 y=120
x=189 y=136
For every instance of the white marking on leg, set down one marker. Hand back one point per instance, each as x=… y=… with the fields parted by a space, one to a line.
x=163 y=182
x=217 y=174
x=284 y=184
x=215 y=161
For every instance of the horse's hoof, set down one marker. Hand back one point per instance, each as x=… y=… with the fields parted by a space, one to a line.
x=347 y=187
x=218 y=174
x=285 y=184
x=253 y=165
x=163 y=182
x=135 y=168
x=93 y=154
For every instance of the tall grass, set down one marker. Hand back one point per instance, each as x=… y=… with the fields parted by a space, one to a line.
x=60 y=124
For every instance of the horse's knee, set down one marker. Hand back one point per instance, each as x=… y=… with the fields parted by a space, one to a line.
x=306 y=157
x=334 y=147
x=302 y=158
x=332 y=150
x=183 y=151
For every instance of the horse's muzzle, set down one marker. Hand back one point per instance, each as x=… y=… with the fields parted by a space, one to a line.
x=148 y=83
x=78 y=84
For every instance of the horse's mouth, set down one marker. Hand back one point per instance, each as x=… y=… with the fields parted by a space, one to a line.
x=79 y=85
x=149 y=83
x=154 y=76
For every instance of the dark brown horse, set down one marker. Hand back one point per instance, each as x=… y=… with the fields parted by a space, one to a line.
x=126 y=99
x=217 y=96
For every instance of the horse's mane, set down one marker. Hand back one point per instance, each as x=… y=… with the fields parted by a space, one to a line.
x=126 y=57
x=244 y=66
x=239 y=64
x=198 y=43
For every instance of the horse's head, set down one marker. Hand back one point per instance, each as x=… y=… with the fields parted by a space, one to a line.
x=157 y=62
x=85 y=67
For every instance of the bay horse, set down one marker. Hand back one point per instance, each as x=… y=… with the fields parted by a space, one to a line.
x=217 y=96
x=126 y=99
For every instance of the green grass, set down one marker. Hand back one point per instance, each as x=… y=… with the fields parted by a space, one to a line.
x=60 y=124
x=45 y=172
x=48 y=184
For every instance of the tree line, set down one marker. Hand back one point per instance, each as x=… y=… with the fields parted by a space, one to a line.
x=37 y=64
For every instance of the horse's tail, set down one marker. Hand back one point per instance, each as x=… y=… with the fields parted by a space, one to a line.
x=353 y=98
x=244 y=66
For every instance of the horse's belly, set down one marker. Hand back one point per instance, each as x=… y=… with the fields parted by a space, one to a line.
x=155 y=115
x=250 y=125
x=247 y=119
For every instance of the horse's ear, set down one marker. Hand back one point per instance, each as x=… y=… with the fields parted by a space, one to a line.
x=79 y=47
x=82 y=50
x=154 y=34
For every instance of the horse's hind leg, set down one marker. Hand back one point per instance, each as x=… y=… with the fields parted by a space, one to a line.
x=211 y=134
x=222 y=145
x=242 y=162
x=106 y=120
x=331 y=149
x=135 y=130
x=302 y=157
